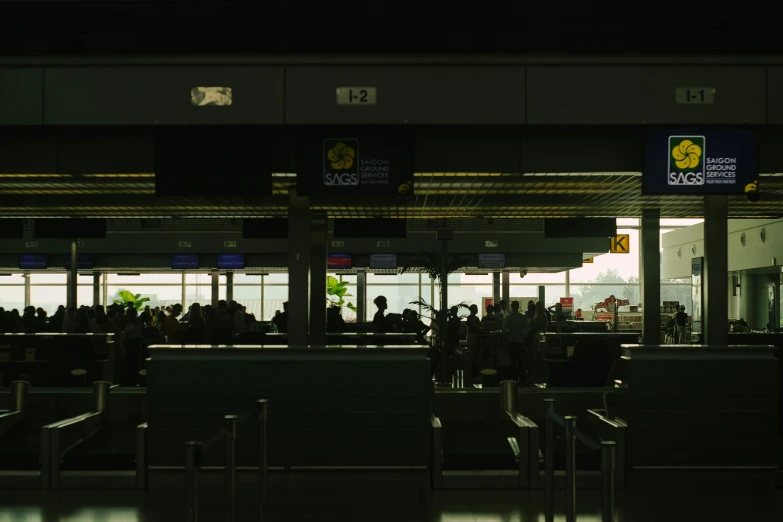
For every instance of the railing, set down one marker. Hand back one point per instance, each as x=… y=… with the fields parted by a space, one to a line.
x=572 y=434
x=193 y=452
x=8 y=420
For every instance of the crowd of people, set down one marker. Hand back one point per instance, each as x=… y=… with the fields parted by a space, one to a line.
x=207 y=324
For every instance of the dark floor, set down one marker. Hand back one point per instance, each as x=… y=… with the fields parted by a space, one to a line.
x=392 y=496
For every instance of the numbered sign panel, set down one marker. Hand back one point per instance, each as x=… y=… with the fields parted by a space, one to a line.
x=357 y=96
x=694 y=95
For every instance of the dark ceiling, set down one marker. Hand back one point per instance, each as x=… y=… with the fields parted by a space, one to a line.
x=436 y=196
x=378 y=26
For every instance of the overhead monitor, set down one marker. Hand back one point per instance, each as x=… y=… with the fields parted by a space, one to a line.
x=184 y=262
x=492 y=260
x=701 y=161
x=231 y=261
x=11 y=228
x=84 y=262
x=383 y=261
x=67 y=228
x=338 y=261
x=32 y=262
x=380 y=228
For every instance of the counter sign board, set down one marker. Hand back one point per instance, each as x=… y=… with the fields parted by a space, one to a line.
x=356 y=163
x=704 y=161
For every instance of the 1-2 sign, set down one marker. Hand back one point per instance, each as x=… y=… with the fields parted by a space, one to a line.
x=357 y=96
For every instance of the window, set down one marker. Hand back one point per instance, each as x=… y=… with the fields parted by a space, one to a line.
x=399 y=298
x=12 y=297
x=48 y=297
x=611 y=267
x=168 y=278
x=159 y=295
x=542 y=279
x=274 y=297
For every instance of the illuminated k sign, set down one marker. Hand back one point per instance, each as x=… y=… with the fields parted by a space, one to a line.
x=621 y=244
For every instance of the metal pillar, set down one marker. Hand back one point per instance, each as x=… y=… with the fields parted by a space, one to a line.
x=607 y=480
x=231 y=467
x=299 y=270
x=505 y=294
x=651 y=276
x=96 y=288
x=549 y=455
x=541 y=295
x=192 y=467
x=263 y=464
x=570 y=465
x=229 y=286
x=318 y=279
x=361 y=295
x=716 y=270
x=73 y=280
x=495 y=288
x=215 y=288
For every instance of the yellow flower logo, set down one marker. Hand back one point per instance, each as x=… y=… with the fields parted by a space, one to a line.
x=341 y=156
x=404 y=188
x=752 y=187
x=686 y=155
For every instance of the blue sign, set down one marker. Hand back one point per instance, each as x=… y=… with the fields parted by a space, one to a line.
x=702 y=161
x=184 y=262
x=32 y=262
x=231 y=261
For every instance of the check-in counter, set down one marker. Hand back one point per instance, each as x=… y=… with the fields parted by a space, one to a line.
x=347 y=406
x=700 y=407
x=352 y=338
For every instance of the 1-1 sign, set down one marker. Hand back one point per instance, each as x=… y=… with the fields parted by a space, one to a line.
x=694 y=95
x=357 y=96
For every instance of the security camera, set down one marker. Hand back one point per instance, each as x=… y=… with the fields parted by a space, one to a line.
x=752 y=193
x=523 y=273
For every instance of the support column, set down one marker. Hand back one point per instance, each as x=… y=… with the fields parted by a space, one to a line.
x=96 y=288
x=298 y=270
x=505 y=293
x=716 y=270
x=495 y=288
x=26 y=290
x=361 y=295
x=318 y=279
x=541 y=294
x=215 y=288
x=229 y=286
x=73 y=275
x=650 y=268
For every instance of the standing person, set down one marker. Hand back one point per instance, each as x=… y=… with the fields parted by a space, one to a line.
x=682 y=325
x=171 y=326
x=474 y=338
x=515 y=329
x=379 y=321
x=281 y=320
x=503 y=307
x=531 y=310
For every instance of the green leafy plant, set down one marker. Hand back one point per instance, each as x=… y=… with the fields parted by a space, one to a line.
x=126 y=297
x=430 y=312
x=336 y=292
x=430 y=263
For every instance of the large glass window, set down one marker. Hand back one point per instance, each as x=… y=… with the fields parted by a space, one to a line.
x=274 y=297
x=159 y=295
x=537 y=279
x=12 y=297
x=168 y=278
x=611 y=267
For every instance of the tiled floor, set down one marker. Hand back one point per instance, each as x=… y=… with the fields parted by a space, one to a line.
x=390 y=497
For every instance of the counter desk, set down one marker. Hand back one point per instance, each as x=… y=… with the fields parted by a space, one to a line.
x=328 y=405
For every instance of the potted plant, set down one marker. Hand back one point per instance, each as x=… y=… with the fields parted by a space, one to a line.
x=336 y=292
x=125 y=297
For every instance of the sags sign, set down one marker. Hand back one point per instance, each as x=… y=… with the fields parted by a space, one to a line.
x=706 y=162
x=370 y=164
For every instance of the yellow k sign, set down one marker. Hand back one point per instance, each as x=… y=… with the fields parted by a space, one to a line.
x=621 y=244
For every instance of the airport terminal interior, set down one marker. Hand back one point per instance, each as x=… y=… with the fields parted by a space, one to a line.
x=441 y=287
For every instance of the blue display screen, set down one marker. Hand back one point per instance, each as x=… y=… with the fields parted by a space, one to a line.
x=32 y=262
x=700 y=161
x=84 y=262
x=231 y=261
x=184 y=262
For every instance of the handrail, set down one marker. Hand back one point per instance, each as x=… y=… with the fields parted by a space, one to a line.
x=73 y=431
x=608 y=456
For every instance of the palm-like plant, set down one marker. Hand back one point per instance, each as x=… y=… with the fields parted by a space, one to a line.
x=431 y=263
x=126 y=297
x=336 y=292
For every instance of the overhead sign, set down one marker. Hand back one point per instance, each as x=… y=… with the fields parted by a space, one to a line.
x=357 y=96
x=704 y=161
x=492 y=260
x=620 y=244
x=350 y=162
x=383 y=261
x=588 y=260
x=694 y=95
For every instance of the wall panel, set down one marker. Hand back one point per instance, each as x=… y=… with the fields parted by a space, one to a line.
x=634 y=94
x=416 y=95
x=21 y=95
x=151 y=95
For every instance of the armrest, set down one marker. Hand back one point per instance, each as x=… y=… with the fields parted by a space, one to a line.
x=8 y=420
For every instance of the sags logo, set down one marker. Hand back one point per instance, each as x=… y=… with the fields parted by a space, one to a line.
x=686 y=155
x=341 y=162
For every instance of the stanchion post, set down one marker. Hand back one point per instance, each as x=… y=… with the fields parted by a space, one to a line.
x=508 y=396
x=263 y=464
x=549 y=454
x=19 y=390
x=570 y=465
x=192 y=465
x=231 y=467
x=100 y=391
x=608 y=449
